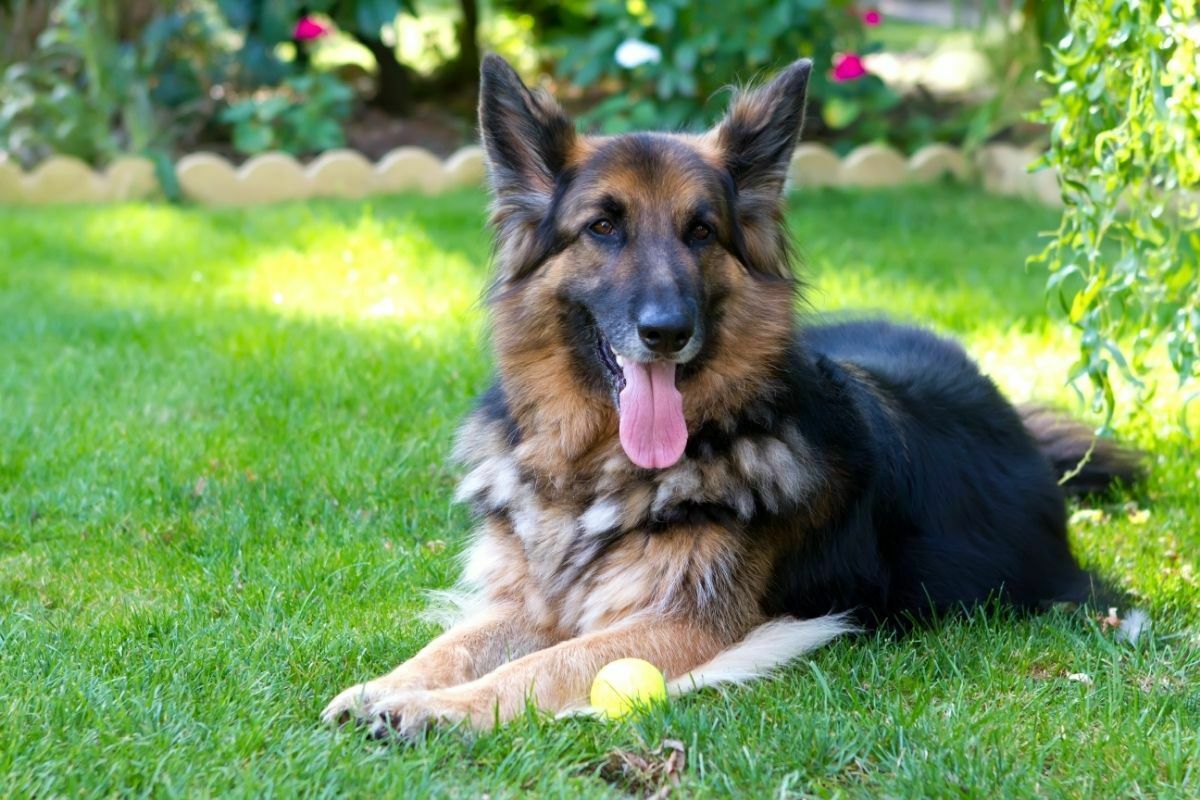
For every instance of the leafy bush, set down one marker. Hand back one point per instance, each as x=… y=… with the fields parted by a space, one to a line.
x=685 y=53
x=1125 y=138
x=42 y=110
x=152 y=78
x=303 y=116
x=20 y=23
x=107 y=78
x=264 y=25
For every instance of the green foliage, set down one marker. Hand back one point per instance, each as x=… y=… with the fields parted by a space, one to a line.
x=1125 y=138
x=20 y=23
x=1046 y=20
x=1014 y=56
x=705 y=47
x=304 y=115
x=85 y=92
x=263 y=25
x=98 y=86
x=42 y=110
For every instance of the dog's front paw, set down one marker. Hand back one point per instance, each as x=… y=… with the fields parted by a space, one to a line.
x=406 y=712
x=410 y=713
x=351 y=703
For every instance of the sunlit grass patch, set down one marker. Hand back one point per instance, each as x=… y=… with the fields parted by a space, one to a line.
x=367 y=272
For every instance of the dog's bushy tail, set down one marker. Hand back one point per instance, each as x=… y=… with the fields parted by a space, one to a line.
x=1090 y=465
x=765 y=649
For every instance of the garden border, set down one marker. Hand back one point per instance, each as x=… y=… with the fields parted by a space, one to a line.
x=210 y=180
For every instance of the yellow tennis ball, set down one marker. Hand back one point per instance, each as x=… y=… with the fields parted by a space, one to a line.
x=627 y=684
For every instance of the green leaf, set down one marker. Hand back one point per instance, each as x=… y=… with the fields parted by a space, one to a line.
x=371 y=16
x=840 y=112
x=252 y=137
x=686 y=56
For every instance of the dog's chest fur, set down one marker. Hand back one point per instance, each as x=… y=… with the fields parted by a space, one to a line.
x=582 y=550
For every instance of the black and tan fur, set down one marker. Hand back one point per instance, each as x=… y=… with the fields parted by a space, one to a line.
x=834 y=477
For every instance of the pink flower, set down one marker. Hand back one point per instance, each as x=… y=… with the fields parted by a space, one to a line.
x=308 y=29
x=872 y=17
x=848 y=67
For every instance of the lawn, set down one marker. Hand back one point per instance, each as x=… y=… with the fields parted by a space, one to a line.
x=222 y=497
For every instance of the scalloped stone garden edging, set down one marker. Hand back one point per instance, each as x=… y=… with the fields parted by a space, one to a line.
x=211 y=180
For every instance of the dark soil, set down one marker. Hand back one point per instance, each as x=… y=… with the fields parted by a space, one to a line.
x=374 y=133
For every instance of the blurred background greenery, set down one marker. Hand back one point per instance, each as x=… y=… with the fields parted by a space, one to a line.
x=95 y=78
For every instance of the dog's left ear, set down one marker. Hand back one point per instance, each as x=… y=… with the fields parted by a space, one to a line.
x=526 y=135
x=528 y=139
x=760 y=131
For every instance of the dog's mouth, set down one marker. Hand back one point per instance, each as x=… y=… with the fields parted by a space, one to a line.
x=653 y=431
x=611 y=362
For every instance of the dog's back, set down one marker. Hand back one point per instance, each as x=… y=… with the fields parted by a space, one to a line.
x=960 y=504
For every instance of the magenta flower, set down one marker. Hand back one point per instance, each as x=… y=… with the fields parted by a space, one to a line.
x=848 y=67
x=871 y=17
x=308 y=29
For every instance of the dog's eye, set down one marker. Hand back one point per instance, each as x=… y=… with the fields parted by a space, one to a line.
x=699 y=232
x=602 y=227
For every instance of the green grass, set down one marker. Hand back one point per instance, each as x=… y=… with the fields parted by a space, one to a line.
x=222 y=495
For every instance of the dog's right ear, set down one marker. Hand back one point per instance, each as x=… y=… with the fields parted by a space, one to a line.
x=526 y=135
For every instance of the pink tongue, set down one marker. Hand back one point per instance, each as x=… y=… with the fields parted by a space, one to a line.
x=653 y=432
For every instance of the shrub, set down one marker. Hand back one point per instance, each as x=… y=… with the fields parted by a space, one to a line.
x=20 y=23
x=678 y=55
x=303 y=116
x=148 y=77
x=1125 y=138
x=107 y=78
x=265 y=25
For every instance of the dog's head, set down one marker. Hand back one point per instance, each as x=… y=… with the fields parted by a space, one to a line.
x=642 y=279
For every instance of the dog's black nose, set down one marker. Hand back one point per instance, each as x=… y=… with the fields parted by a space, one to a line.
x=664 y=329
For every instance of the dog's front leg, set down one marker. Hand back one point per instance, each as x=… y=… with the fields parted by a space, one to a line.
x=555 y=678
x=461 y=654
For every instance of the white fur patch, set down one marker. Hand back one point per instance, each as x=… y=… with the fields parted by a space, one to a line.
x=743 y=500
x=474 y=482
x=467 y=442
x=677 y=484
x=745 y=455
x=601 y=516
x=785 y=472
x=481 y=559
x=764 y=649
x=526 y=519
x=504 y=483
x=1135 y=623
x=448 y=607
x=496 y=478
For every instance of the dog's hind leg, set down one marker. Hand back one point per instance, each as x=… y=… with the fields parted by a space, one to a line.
x=467 y=651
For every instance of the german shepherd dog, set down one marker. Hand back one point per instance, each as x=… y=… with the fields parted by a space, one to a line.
x=670 y=467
